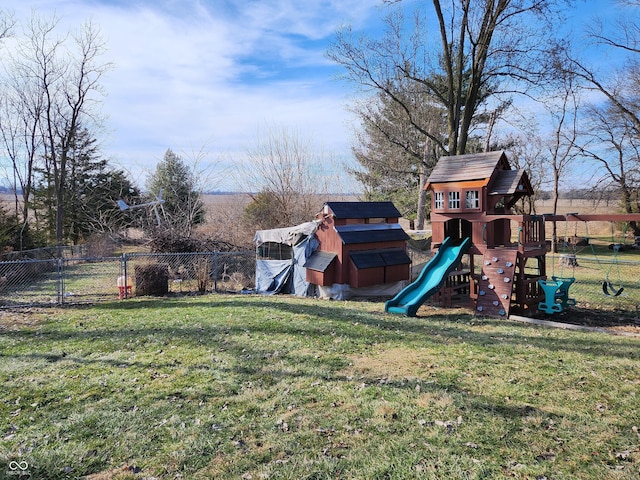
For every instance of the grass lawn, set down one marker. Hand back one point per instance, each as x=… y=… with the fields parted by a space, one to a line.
x=252 y=387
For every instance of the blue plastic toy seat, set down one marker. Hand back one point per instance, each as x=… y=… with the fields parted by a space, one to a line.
x=563 y=292
x=550 y=288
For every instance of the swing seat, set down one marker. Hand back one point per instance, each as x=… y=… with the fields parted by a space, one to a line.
x=611 y=291
x=550 y=305
x=563 y=291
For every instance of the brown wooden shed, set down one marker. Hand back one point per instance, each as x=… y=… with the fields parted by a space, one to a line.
x=361 y=245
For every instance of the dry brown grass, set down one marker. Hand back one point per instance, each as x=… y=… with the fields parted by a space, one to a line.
x=593 y=229
x=224 y=219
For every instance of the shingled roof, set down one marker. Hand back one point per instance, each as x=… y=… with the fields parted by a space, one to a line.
x=320 y=261
x=379 y=258
x=511 y=182
x=474 y=166
x=363 y=209
x=368 y=233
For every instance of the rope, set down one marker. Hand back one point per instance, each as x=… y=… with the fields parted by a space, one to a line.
x=563 y=254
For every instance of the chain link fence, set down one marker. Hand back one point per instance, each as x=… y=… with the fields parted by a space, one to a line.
x=597 y=281
x=59 y=281
x=46 y=253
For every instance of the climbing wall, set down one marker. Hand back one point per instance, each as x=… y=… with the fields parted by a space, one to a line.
x=496 y=282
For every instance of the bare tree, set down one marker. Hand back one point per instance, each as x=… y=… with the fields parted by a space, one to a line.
x=284 y=174
x=54 y=83
x=561 y=145
x=614 y=144
x=446 y=88
x=480 y=49
x=7 y=22
x=21 y=109
x=612 y=124
x=527 y=151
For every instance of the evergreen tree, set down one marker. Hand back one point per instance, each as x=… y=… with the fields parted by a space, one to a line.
x=394 y=155
x=92 y=193
x=183 y=208
x=90 y=197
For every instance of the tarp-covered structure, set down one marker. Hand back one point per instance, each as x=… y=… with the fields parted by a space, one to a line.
x=280 y=257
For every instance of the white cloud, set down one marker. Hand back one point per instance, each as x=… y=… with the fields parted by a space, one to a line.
x=194 y=73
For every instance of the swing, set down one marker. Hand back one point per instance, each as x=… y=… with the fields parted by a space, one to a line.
x=610 y=290
x=562 y=292
x=550 y=305
x=608 y=287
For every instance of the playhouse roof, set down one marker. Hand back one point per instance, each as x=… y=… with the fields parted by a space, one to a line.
x=473 y=166
x=363 y=209
x=510 y=182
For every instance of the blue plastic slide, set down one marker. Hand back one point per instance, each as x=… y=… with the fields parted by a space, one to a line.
x=430 y=280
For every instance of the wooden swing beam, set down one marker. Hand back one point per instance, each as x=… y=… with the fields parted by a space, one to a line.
x=593 y=217
x=548 y=217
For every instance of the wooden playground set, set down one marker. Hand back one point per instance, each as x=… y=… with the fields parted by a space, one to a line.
x=497 y=259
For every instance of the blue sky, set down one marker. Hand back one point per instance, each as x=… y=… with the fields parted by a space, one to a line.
x=208 y=74
x=195 y=75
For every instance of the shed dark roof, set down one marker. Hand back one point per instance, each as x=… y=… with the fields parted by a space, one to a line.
x=379 y=258
x=320 y=261
x=474 y=166
x=371 y=232
x=363 y=209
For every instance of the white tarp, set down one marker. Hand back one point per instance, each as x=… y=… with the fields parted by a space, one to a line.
x=288 y=235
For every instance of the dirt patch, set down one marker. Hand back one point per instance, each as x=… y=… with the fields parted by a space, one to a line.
x=16 y=319
x=390 y=365
x=615 y=321
x=623 y=321
x=596 y=318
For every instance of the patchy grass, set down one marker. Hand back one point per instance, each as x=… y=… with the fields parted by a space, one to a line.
x=278 y=387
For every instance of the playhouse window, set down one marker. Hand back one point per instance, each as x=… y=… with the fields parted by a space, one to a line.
x=438 y=201
x=472 y=199
x=454 y=200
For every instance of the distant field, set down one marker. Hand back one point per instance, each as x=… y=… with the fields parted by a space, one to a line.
x=593 y=229
x=227 y=208
x=216 y=202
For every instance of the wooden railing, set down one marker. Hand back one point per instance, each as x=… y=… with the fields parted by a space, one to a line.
x=531 y=233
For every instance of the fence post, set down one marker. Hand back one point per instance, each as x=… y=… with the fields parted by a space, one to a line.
x=215 y=272
x=60 y=281
x=124 y=273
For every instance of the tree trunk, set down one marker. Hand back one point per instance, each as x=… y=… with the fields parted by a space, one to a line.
x=422 y=200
